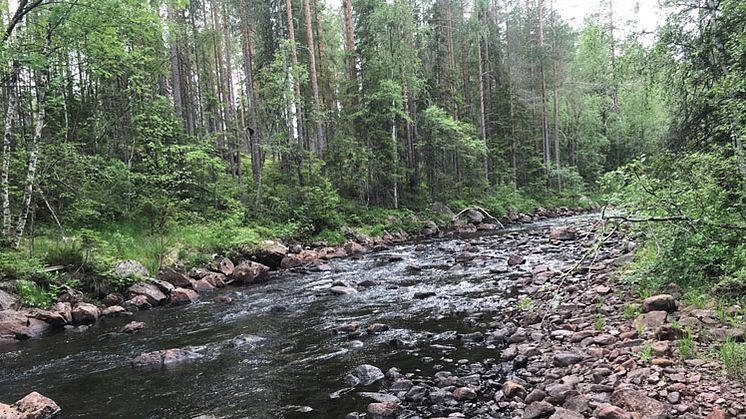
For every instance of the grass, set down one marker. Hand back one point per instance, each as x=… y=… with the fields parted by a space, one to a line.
x=526 y=304
x=631 y=311
x=599 y=322
x=646 y=353
x=686 y=347
x=733 y=357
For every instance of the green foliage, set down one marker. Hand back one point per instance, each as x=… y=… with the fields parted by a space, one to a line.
x=631 y=311
x=18 y=265
x=526 y=304
x=599 y=322
x=733 y=357
x=686 y=347
x=32 y=295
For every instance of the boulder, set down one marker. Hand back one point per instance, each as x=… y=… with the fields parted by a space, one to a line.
x=183 y=296
x=562 y=413
x=353 y=248
x=35 y=328
x=53 y=318
x=33 y=406
x=290 y=262
x=164 y=286
x=661 y=302
x=166 y=358
x=173 y=277
x=71 y=296
x=269 y=253
x=474 y=216
x=13 y=325
x=138 y=302
x=64 y=309
x=202 y=285
x=377 y=328
x=226 y=267
x=130 y=267
x=635 y=401
x=367 y=374
x=217 y=280
x=651 y=320
x=332 y=253
x=151 y=292
x=562 y=233
x=7 y=301
x=113 y=299
x=85 y=314
x=248 y=272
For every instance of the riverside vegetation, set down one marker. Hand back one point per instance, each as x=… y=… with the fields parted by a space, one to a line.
x=167 y=137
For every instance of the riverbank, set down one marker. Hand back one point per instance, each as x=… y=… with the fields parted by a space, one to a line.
x=177 y=285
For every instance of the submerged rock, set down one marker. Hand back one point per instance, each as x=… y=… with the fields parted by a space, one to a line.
x=365 y=374
x=166 y=358
x=562 y=233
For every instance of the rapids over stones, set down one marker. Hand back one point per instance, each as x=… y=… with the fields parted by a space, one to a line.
x=488 y=325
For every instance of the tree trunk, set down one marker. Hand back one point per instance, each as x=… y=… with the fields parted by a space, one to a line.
x=253 y=134
x=482 y=119
x=555 y=99
x=320 y=138
x=39 y=121
x=543 y=88
x=11 y=111
x=295 y=107
x=350 y=44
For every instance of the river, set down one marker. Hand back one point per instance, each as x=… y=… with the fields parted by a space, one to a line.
x=293 y=359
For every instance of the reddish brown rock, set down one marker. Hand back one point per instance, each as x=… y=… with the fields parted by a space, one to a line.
x=173 y=277
x=226 y=267
x=464 y=393
x=248 y=272
x=377 y=328
x=515 y=260
x=64 y=309
x=85 y=313
x=353 y=248
x=181 y=296
x=53 y=318
x=217 y=280
x=202 y=285
x=650 y=321
x=512 y=389
x=150 y=291
x=386 y=410
x=562 y=233
x=607 y=411
x=113 y=299
x=718 y=413
x=290 y=262
x=114 y=311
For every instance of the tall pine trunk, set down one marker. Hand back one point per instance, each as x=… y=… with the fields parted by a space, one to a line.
x=320 y=138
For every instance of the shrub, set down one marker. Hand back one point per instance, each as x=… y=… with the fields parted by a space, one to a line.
x=32 y=295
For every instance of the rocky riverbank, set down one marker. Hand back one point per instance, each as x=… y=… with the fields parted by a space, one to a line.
x=573 y=343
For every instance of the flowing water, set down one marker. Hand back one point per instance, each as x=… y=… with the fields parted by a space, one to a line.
x=292 y=359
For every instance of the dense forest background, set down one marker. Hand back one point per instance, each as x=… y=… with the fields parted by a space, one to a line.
x=162 y=130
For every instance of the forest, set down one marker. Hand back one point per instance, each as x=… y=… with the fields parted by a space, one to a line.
x=186 y=135
x=176 y=124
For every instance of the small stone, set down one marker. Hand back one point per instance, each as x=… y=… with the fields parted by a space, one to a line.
x=565 y=359
x=718 y=413
x=386 y=410
x=538 y=410
x=464 y=393
x=377 y=328
x=515 y=260
x=607 y=411
x=512 y=389
x=132 y=327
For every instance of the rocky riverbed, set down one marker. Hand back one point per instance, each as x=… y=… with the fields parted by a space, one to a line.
x=526 y=322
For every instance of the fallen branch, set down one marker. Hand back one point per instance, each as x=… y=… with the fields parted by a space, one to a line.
x=483 y=211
